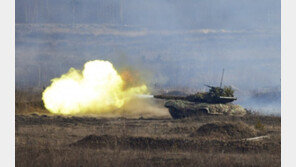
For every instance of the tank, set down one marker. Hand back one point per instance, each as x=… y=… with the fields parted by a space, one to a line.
x=217 y=101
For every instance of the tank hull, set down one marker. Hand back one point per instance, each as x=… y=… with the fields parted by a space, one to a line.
x=181 y=109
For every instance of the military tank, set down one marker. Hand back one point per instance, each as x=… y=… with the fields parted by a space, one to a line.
x=217 y=101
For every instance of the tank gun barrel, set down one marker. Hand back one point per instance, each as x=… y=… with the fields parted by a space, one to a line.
x=170 y=97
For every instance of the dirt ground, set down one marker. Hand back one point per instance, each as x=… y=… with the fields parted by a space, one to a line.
x=48 y=140
x=43 y=139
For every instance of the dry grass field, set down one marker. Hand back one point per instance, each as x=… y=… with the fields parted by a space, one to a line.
x=43 y=139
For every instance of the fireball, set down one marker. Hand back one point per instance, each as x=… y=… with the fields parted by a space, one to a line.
x=98 y=88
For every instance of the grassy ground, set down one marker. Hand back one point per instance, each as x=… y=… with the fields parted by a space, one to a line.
x=50 y=140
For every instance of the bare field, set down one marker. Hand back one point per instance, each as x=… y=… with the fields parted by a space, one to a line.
x=43 y=139
x=47 y=140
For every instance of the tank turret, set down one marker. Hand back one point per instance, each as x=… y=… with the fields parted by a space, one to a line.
x=215 y=95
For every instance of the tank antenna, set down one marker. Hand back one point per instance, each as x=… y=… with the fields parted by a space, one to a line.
x=222 y=78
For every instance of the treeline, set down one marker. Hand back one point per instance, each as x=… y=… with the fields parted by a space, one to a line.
x=68 y=11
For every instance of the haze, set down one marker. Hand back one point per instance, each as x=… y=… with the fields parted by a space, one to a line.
x=171 y=43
